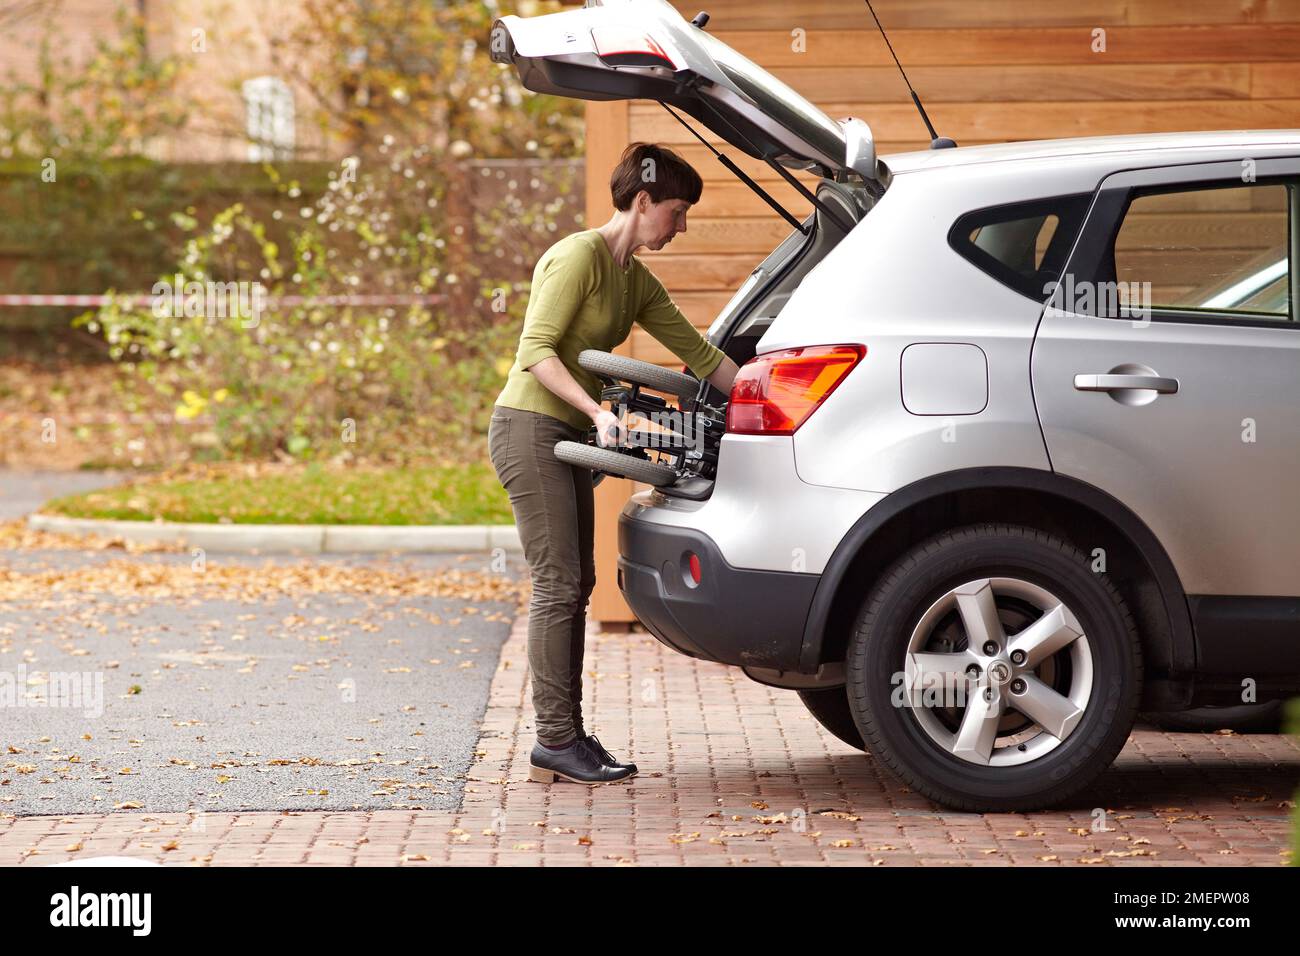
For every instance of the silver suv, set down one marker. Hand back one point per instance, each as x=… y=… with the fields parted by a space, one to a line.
x=1015 y=447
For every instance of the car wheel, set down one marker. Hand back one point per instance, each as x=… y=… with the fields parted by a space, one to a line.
x=991 y=669
x=1262 y=718
x=830 y=708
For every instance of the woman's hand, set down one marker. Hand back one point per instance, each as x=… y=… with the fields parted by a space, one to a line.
x=551 y=372
x=609 y=430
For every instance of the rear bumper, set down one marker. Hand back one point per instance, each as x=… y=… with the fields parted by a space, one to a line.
x=738 y=616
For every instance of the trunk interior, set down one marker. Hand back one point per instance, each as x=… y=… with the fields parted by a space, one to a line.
x=769 y=288
x=760 y=300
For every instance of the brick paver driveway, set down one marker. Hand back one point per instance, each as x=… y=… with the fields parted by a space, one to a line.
x=731 y=773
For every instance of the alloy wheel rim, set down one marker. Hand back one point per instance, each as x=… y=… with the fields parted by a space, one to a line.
x=1019 y=686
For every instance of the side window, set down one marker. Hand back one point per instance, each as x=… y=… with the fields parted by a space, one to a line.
x=1022 y=245
x=1220 y=251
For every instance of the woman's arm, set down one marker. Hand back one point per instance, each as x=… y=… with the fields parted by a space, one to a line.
x=724 y=375
x=660 y=317
x=551 y=372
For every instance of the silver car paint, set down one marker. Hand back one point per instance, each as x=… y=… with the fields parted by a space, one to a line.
x=760 y=514
x=1108 y=153
x=1227 y=511
x=1211 y=468
x=944 y=378
x=893 y=282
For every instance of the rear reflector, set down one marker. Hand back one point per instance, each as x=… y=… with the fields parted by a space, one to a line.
x=775 y=393
x=693 y=562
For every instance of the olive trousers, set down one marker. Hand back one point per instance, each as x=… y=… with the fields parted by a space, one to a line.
x=555 y=513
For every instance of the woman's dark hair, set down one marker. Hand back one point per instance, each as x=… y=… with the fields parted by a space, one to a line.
x=657 y=170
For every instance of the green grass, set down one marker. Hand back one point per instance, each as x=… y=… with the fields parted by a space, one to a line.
x=466 y=493
x=1292 y=727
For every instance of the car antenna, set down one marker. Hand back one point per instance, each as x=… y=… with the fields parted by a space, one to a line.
x=936 y=141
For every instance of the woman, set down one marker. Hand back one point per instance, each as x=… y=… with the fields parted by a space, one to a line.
x=587 y=291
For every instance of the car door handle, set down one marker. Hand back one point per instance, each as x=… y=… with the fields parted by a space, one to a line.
x=1114 y=383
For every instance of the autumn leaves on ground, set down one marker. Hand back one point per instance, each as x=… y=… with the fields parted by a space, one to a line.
x=171 y=680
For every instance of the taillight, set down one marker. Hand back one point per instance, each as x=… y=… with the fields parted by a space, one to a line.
x=775 y=393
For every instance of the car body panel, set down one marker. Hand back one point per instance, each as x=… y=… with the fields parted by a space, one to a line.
x=1106 y=154
x=1226 y=509
x=894 y=282
x=755 y=474
x=762 y=607
x=1211 y=467
x=562 y=54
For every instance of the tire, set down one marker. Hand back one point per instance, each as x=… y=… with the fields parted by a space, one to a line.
x=615 y=463
x=640 y=373
x=830 y=708
x=1265 y=717
x=1085 y=682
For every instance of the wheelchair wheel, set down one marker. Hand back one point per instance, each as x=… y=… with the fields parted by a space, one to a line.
x=614 y=463
x=639 y=373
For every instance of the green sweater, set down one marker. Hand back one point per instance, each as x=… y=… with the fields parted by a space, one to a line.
x=581 y=299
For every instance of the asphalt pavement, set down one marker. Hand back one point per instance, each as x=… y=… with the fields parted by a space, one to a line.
x=22 y=492
x=122 y=686
x=320 y=701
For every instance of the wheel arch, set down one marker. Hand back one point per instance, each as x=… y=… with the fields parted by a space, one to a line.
x=1082 y=513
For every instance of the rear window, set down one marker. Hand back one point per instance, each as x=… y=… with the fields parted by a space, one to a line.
x=1022 y=245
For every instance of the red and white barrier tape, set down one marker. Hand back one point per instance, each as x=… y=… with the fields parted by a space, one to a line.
x=270 y=300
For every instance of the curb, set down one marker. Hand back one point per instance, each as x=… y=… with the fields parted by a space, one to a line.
x=293 y=538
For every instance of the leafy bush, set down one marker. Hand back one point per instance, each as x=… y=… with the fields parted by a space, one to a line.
x=343 y=381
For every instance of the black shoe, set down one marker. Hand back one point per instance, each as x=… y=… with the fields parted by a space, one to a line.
x=579 y=763
x=605 y=755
